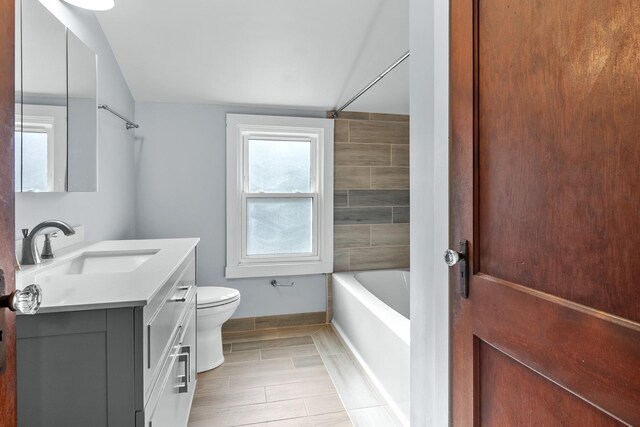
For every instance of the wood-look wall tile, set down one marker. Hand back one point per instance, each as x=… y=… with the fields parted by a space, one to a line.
x=389 y=117
x=284 y=320
x=392 y=177
x=401 y=215
x=399 y=155
x=351 y=236
x=379 y=258
x=354 y=115
x=375 y=215
x=378 y=198
x=378 y=132
x=341 y=130
x=340 y=198
x=346 y=177
x=341 y=260
x=390 y=235
x=362 y=154
x=241 y=324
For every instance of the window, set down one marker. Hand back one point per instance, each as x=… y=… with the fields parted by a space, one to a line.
x=41 y=148
x=279 y=196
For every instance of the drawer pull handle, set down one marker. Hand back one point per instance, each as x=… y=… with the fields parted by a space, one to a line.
x=184 y=356
x=184 y=296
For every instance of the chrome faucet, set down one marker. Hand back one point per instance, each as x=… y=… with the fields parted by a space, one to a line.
x=30 y=255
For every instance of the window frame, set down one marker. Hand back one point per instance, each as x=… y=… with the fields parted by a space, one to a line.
x=319 y=132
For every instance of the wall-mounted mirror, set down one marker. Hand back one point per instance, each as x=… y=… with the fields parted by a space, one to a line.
x=56 y=105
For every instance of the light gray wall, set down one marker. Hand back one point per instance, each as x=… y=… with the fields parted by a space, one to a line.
x=109 y=213
x=181 y=187
x=429 y=40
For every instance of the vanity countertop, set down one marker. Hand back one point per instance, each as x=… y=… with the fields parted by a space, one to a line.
x=100 y=290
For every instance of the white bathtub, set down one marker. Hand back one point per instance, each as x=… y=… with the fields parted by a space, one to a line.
x=371 y=314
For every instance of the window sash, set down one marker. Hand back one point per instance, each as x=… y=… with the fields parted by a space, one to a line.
x=279 y=137
x=314 y=255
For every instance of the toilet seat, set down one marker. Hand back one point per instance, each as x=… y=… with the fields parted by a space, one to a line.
x=215 y=296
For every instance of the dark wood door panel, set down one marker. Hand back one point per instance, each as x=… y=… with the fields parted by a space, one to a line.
x=538 y=402
x=7 y=237
x=558 y=148
x=545 y=185
x=556 y=339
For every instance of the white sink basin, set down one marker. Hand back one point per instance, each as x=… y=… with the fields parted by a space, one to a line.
x=102 y=263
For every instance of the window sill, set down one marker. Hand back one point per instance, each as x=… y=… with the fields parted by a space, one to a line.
x=281 y=269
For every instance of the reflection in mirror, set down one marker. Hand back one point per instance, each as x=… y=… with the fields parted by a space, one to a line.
x=56 y=105
x=83 y=116
x=41 y=149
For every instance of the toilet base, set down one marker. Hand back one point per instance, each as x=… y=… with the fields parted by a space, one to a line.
x=210 y=348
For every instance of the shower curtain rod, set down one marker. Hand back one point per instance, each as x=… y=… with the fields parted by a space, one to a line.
x=337 y=111
x=130 y=124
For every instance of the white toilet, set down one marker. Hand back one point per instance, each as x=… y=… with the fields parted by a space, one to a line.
x=215 y=306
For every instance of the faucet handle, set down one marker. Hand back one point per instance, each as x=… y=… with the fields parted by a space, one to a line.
x=47 y=249
x=25 y=232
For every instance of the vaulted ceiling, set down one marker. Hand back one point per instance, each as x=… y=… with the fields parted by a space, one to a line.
x=294 y=53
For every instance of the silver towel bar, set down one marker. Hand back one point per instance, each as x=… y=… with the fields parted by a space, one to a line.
x=130 y=124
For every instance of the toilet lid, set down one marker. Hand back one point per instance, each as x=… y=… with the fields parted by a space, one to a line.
x=212 y=296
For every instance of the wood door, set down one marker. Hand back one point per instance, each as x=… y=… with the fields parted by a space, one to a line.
x=7 y=318
x=545 y=185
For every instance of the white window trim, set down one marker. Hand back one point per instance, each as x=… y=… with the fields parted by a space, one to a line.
x=320 y=131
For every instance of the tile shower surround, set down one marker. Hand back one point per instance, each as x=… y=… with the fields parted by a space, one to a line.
x=371 y=216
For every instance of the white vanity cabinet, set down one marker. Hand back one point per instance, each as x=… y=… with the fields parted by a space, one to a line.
x=114 y=367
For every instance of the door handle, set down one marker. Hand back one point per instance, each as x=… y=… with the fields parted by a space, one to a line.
x=26 y=301
x=452 y=258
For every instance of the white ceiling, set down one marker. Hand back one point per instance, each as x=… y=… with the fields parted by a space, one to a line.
x=293 y=53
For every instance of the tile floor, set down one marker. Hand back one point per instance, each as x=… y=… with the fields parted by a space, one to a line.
x=294 y=376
